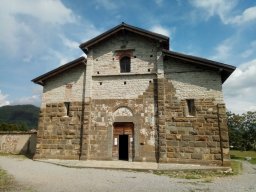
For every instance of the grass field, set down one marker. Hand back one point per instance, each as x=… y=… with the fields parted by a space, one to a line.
x=235 y=154
x=236 y=167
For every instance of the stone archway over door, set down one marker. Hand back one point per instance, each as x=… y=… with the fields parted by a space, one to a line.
x=123 y=141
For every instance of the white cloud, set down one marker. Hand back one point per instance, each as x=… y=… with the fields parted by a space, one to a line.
x=224 y=9
x=250 y=51
x=60 y=57
x=215 y=7
x=33 y=100
x=46 y=11
x=240 y=88
x=69 y=43
x=28 y=23
x=223 y=50
x=3 y=99
x=247 y=16
x=161 y=30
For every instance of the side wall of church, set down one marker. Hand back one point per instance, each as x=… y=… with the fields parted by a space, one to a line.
x=65 y=87
x=59 y=127
x=203 y=136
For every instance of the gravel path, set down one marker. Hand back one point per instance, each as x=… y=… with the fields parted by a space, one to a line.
x=39 y=176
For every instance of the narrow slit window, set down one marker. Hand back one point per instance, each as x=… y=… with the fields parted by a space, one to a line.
x=191 y=107
x=67 y=106
x=125 y=64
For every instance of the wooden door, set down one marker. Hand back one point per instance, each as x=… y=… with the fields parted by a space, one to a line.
x=123 y=141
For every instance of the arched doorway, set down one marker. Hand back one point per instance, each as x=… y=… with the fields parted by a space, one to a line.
x=123 y=141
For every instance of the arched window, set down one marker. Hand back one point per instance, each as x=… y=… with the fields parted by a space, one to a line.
x=125 y=64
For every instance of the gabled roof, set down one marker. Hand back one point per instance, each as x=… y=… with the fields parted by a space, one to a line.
x=125 y=27
x=224 y=69
x=40 y=80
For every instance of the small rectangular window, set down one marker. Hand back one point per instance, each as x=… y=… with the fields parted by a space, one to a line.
x=125 y=64
x=67 y=106
x=191 y=107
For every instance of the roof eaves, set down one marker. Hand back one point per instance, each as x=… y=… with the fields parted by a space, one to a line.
x=225 y=69
x=200 y=60
x=121 y=27
x=39 y=80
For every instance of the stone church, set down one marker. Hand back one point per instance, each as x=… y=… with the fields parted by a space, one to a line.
x=133 y=99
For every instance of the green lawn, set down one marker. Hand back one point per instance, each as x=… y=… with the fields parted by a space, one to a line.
x=236 y=167
x=235 y=154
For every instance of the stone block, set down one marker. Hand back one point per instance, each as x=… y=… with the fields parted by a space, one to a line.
x=225 y=144
x=188 y=138
x=189 y=150
x=185 y=155
x=172 y=143
x=162 y=149
x=200 y=144
x=224 y=138
x=216 y=138
x=225 y=151
x=217 y=156
x=196 y=156
x=201 y=138
x=211 y=144
x=171 y=137
x=183 y=143
x=170 y=155
x=170 y=149
x=69 y=136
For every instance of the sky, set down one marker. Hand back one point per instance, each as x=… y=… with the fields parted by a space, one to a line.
x=38 y=36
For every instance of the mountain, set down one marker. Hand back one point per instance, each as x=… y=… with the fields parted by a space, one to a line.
x=26 y=115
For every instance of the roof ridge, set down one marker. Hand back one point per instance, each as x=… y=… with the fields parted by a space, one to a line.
x=119 y=27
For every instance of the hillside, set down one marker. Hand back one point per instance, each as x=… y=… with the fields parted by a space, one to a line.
x=26 y=115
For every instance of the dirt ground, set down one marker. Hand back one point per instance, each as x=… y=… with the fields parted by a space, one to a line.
x=38 y=176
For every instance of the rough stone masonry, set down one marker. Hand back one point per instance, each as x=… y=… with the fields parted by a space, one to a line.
x=132 y=99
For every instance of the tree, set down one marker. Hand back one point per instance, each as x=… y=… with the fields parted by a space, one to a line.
x=242 y=130
x=13 y=127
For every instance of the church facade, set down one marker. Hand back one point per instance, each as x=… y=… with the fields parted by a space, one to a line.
x=133 y=99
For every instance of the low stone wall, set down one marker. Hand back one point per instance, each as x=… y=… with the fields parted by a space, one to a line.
x=18 y=142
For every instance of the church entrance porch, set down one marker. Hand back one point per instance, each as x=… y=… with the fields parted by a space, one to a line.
x=123 y=142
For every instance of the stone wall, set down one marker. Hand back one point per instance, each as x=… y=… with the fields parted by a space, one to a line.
x=195 y=82
x=18 y=142
x=109 y=89
x=104 y=114
x=120 y=87
x=106 y=54
x=202 y=138
x=58 y=134
x=65 y=87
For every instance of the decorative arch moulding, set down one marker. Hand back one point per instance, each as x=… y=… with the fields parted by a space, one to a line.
x=123 y=111
x=122 y=53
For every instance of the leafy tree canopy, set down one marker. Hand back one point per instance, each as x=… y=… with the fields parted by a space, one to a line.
x=242 y=130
